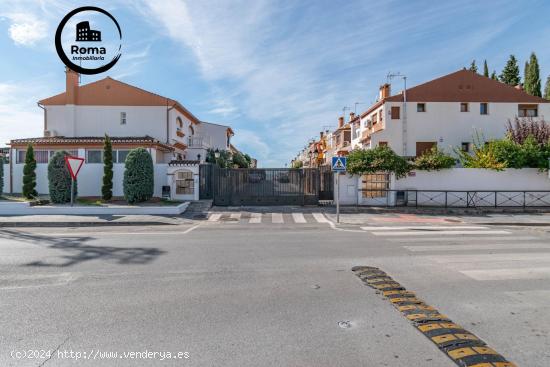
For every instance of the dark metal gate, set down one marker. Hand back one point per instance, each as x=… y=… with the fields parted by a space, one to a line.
x=326 y=183
x=269 y=186
x=205 y=181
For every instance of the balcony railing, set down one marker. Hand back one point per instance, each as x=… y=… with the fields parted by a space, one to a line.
x=199 y=142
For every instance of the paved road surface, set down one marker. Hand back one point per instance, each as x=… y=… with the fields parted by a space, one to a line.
x=268 y=290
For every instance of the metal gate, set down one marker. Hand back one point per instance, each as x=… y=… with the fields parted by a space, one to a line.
x=269 y=186
x=326 y=183
x=205 y=181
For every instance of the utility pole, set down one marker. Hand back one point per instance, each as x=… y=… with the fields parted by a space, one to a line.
x=389 y=77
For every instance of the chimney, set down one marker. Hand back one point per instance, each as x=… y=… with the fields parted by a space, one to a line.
x=384 y=91
x=340 y=121
x=71 y=85
x=351 y=116
x=321 y=134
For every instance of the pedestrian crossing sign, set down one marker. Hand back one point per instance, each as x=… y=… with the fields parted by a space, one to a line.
x=339 y=164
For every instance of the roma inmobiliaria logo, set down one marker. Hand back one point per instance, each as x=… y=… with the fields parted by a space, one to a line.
x=89 y=40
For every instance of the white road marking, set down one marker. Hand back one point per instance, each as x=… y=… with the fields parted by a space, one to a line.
x=255 y=218
x=490 y=259
x=460 y=239
x=509 y=274
x=481 y=246
x=214 y=217
x=372 y=228
x=107 y=233
x=236 y=216
x=320 y=218
x=277 y=218
x=298 y=218
x=435 y=233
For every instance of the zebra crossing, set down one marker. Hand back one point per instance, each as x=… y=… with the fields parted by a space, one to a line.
x=268 y=218
x=480 y=253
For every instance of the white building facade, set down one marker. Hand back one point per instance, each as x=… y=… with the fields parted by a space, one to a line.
x=449 y=112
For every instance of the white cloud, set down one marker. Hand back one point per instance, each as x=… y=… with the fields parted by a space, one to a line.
x=20 y=116
x=26 y=29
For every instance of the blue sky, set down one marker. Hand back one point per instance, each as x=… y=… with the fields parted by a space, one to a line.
x=276 y=71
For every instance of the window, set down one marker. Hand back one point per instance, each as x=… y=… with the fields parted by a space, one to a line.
x=184 y=183
x=94 y=156
x=424 y=146
x=420 y=107
x=121 y=155
x=123 y=118
x=191 y=130
x=374 y=119
x=21 y=156
x=179 y=124
x=464 y=107
x=483 y=108
x=465 y=146
x=41 y=156
x=395 y=111
x=528 y=110
x=381 y=116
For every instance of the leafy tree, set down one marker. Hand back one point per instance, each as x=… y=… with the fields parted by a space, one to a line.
x=485 y=69
x=494 y=75
x=547 y=88
x=139 y=182
x=248 y=159
x=297 y=164
x=107 y=188
x=510 y=73
x=532 y=76
x=473 y=66
x=223 y=161
x=240 y=161
x=29 y=174
x=59 y=179
x=434 y=160
x=381 y=158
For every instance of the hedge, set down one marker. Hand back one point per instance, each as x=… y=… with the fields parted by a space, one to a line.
x=139 y=180
x=59 y=179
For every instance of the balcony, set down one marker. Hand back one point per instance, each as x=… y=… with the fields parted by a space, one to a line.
x=200 y=142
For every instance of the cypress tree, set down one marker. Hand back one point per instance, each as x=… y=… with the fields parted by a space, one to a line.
x=494 y=75
x=29 y=174
x=526 y=77
x=473 y=66
x=2 y=161
x=485 y=69
x=547 y=89
x=532 y=77
x=510 y=73
x=107 y=188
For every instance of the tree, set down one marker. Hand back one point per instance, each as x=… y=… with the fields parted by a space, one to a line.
x=510 y=73
x=29 y=174
x=240 y=160
x=434 y=160
x=485 y=69
x=59 y=179
x=547 y=88
x=532 y=76
x=223 y=160
x=473 y=66
x=107 y=188
x=139 y=182
x=494 y=75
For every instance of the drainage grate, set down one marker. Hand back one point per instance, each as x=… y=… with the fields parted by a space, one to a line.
x=463 y=347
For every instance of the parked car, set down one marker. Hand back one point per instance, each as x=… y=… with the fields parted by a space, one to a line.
x=255 y=176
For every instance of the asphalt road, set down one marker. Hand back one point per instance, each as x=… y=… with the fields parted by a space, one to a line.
x=232 y=293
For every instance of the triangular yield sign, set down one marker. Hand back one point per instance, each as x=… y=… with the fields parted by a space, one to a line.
x=74 y=164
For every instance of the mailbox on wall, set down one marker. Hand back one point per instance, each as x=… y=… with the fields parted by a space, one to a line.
x=166 y=192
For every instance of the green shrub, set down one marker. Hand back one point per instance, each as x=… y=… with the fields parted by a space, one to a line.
x=59 y=179
x=382 y=158
x=434 y=160
x=29 y=174
x=223 y=161
x=107 y=188
x=240 y=160
x=138 y=176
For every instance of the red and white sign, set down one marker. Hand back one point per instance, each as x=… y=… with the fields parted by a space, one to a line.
x=74 y=164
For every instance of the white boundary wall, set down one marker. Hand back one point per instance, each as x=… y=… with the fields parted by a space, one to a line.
x=90 y=179
x=457 y=179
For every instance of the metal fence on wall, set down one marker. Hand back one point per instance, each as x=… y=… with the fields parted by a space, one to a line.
x=457 y=199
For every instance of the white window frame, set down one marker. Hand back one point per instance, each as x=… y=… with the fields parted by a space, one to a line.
x=123 y=118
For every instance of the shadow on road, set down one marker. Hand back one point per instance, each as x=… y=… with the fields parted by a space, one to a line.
x=78 y=251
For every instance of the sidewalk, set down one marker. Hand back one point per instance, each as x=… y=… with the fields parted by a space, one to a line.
x=89 y=220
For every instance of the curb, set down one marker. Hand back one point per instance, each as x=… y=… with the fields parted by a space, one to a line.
x=82 y=224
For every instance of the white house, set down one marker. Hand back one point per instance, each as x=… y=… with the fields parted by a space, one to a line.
x=78 y=119
x=448 y=112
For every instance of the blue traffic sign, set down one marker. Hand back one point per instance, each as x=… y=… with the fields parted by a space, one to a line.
x=339 y=164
